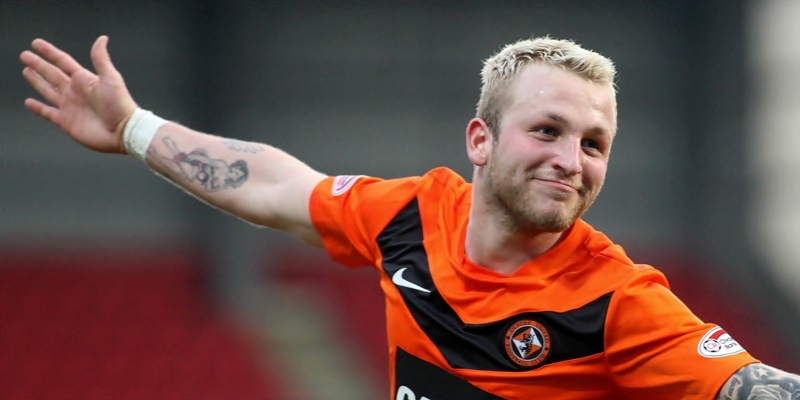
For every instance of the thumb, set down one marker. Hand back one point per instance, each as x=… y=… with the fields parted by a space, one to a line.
x=100 y=57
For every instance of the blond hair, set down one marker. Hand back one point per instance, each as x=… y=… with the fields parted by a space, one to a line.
x=500 y=69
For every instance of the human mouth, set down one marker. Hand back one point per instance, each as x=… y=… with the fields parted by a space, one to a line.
x=558 y=185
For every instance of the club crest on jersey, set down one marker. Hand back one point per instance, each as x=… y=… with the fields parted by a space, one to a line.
x=718 y=343
x=527 y=343
x=343 y=183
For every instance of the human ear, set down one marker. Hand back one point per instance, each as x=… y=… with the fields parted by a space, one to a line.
x=479 y=142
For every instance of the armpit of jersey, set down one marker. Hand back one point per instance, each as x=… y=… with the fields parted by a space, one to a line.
x=521 y=342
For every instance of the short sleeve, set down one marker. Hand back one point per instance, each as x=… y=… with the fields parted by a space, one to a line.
x=658 y=349
x=349 y=213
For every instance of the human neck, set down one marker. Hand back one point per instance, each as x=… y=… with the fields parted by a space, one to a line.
x=499 y=248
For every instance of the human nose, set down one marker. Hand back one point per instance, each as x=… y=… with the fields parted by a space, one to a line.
x=569 y=158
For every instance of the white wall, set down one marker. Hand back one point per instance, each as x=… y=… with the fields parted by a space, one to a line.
x=774 y=134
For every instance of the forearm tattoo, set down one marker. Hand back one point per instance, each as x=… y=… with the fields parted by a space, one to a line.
x=196 y=166
x=761 y=382
x=242 y=147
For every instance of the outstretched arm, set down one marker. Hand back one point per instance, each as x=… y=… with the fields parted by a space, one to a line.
x=253 y=181
x=760 y=382
x=263 y=185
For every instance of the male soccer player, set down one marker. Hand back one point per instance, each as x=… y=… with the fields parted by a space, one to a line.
x=495 y=289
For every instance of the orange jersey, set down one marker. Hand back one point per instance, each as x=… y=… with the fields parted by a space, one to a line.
x=581 y=321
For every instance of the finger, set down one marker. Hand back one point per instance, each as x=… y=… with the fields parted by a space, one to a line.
x=42 y=86
x=44 y=69
x=101 y=59
x=43 y=110
x=54 y=55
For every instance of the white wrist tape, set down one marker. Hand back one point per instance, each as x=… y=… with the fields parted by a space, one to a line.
x=139 y=132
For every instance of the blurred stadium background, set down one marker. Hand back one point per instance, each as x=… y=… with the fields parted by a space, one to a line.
x=116 y=285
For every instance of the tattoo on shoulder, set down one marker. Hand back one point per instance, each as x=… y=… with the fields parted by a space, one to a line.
x=761 y=382
x=242 y=147
x=212 y=174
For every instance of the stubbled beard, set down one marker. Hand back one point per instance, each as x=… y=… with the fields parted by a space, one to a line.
x=516 y=203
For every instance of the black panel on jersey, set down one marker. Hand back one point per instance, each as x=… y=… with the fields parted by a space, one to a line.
x=573 y=334
x=427 y=381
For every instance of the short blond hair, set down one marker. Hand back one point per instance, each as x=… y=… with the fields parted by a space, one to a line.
x=500 y=70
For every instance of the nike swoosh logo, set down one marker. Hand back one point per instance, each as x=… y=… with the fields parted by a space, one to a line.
x=398 y=280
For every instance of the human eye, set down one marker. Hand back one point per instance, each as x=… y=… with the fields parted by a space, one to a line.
x=592 y=145
x=545 y=131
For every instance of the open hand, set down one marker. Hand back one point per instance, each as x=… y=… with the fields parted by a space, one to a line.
x=92 y=109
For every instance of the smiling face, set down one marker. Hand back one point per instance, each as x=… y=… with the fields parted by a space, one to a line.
x=547 y=162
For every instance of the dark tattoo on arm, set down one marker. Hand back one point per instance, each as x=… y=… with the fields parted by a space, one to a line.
x=242 y=147
x=213 y=174
x=760 y=382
